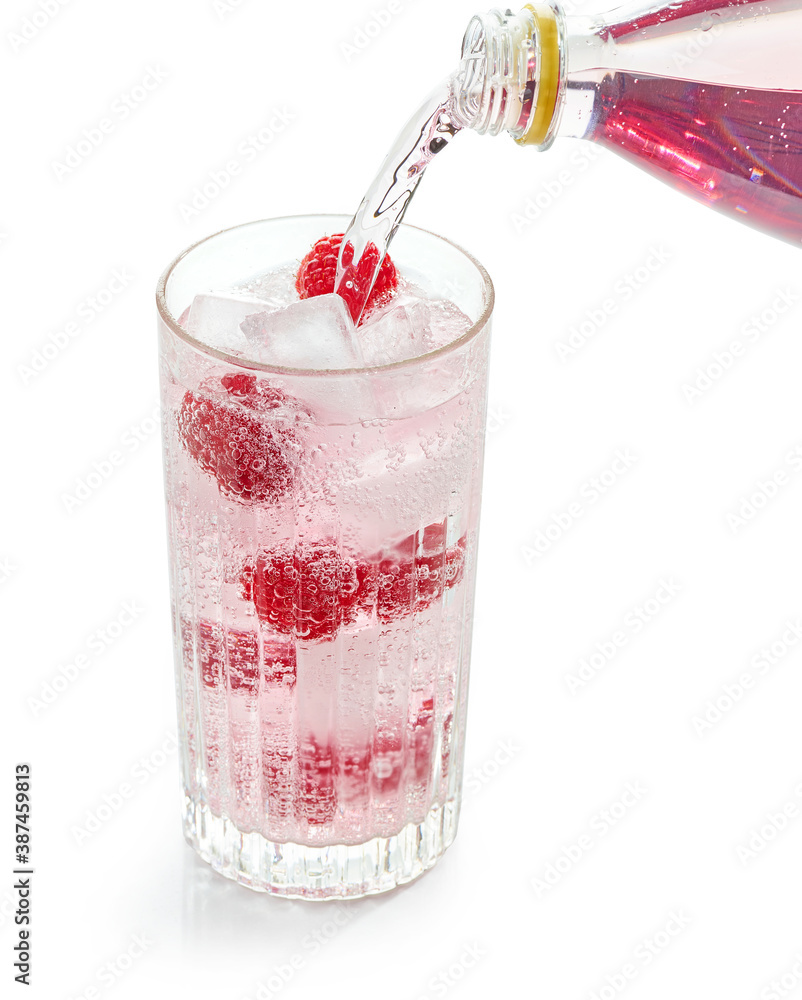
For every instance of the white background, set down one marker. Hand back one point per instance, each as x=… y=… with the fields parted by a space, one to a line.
x=69 y=568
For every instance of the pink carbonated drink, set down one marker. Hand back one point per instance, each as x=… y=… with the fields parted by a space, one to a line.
x=323 y=517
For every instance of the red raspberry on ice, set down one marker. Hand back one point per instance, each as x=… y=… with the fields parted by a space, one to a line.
x=318 y=271
x=251 y=459
x=307 y=592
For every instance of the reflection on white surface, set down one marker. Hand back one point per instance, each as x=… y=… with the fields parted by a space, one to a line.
x=216 y=910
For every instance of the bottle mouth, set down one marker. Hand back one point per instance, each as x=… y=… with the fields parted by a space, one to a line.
x=497 y=75
x=510 y=73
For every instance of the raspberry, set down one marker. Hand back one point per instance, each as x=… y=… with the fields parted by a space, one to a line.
x=311 y=591
x=251 y=460
x=254 y=393
x=413 y=576
x=318 y=272
x=307 y=592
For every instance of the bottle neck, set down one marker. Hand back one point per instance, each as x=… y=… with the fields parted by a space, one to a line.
x=511 y=74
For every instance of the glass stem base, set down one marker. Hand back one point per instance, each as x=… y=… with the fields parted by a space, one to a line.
x=338 y=871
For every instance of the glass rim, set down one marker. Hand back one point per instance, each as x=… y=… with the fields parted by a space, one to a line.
x=239 y=362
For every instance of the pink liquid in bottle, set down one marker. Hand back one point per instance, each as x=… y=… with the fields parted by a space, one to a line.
x=738 y=150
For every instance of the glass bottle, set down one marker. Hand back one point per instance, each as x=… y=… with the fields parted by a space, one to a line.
x=704 y=94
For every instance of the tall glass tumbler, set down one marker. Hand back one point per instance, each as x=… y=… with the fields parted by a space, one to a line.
x=323 y=530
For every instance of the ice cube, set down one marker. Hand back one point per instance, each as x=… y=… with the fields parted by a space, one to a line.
x=276 y=288
x=215 y=320
x=447 y=323
x=398 y=333
x=404 y=484
x=314 y=333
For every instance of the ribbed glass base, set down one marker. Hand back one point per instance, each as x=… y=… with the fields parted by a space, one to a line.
x=338 y=871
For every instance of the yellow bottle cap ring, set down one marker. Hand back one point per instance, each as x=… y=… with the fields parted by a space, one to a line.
x=548 y=75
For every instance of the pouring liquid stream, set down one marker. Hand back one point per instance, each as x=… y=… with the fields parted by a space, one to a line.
x=371 y=230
